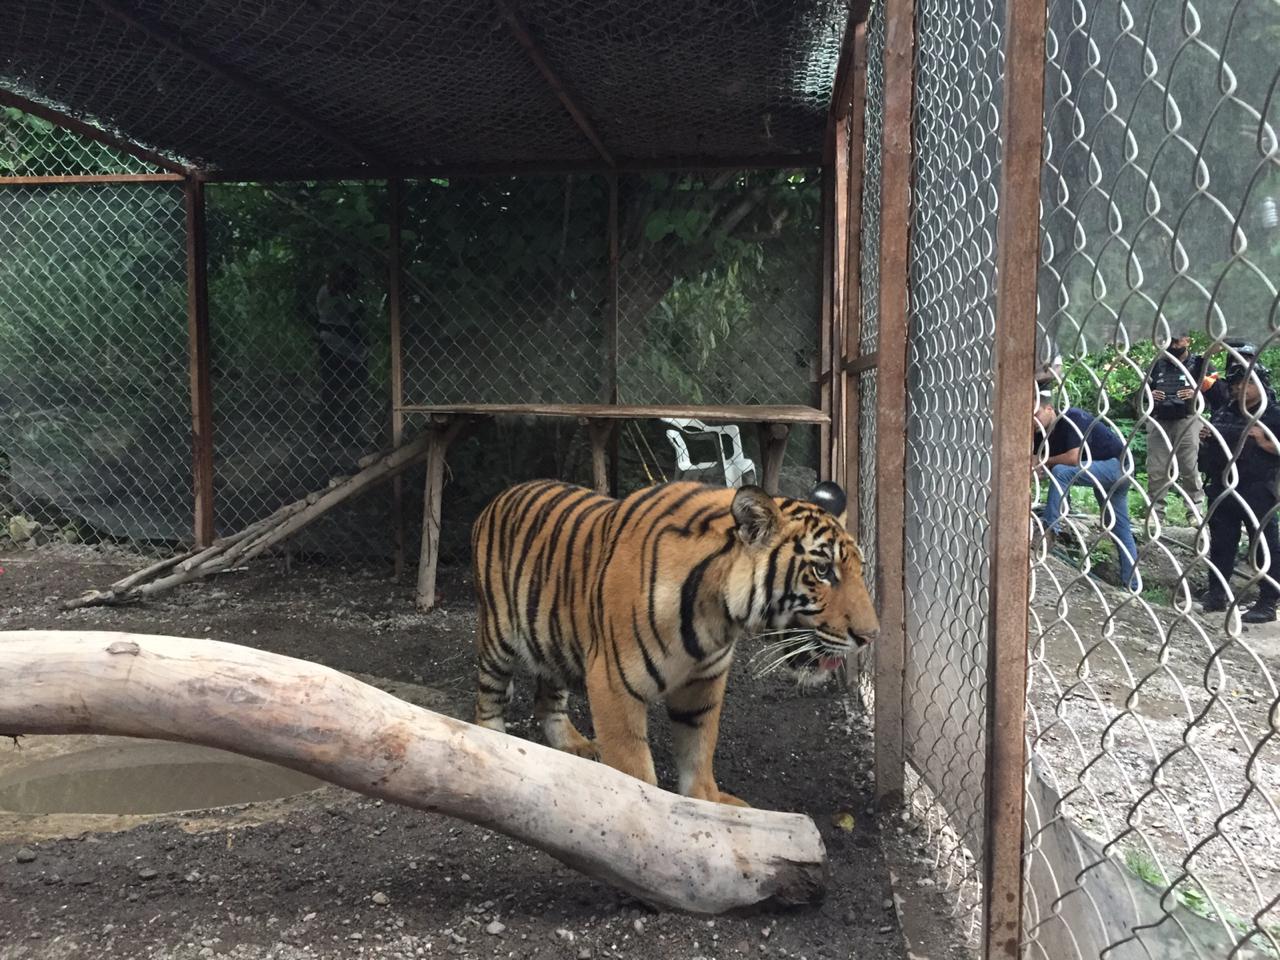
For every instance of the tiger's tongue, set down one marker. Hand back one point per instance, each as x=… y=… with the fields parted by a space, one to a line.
x=830 y=663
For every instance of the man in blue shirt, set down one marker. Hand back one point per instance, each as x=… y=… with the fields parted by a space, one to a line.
x=1082 y=450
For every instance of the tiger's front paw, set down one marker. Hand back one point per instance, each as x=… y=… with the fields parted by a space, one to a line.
x=582 y=747
x=731 y=800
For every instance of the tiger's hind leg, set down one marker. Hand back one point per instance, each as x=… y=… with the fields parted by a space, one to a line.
x=495 y=664
x=550 y=707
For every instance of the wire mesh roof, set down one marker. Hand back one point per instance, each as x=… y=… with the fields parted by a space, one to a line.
x=289 y=88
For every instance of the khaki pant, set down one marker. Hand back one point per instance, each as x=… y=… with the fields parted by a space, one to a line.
x=1170 y=442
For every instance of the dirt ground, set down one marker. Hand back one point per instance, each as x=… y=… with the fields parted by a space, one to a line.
x=332 y=874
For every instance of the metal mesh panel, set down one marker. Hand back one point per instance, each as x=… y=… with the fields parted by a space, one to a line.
x=30 y=146
x=94 y=410
x=712 y=268
x=950 y=364
x=1152 y=821
x=297 y=303
x=506 y=290
x=449 y=82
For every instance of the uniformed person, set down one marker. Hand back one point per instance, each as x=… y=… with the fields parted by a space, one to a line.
x=1250 y=422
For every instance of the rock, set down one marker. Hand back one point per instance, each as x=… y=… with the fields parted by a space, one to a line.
x=355 y=936
x=565 y=935
x=22 y=529
x=206 y=951
x=888 y=903
x=146 y=873
x=638 y=926
x=887 y=928
x=307 y=918
x=25 y=855
x=584 y=953
x=495 y=927
x=381 y=899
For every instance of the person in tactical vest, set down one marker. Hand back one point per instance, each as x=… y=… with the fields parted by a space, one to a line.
x=1173 y=431
x=1250 y=422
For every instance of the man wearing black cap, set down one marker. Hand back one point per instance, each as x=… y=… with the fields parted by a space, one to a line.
x=1173 y=432
x=1250 y=423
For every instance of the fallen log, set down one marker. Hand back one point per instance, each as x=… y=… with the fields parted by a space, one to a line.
x=255 y=539
x=666 y=850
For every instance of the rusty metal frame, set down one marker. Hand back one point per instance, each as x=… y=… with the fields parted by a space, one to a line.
x=259 y=91
x=1017 y=257
x=198 y=363
x=89 y=179
x=827 y=322
x=891 y=399
x=853 y=364
x=89 y=132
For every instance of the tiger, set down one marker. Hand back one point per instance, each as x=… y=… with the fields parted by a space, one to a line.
x=645 y=599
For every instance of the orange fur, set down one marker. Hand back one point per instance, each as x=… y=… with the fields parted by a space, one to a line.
x=644 y=599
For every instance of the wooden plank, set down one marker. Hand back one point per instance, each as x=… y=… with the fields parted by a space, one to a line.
x=861 y=364
x=839 y=292
x=90 y=132
x=852 y=346
x=891 y=399
x=198 y=357
x=175 y=41
x=76 y=179
x=1017 y=256
x=557 y=85
x=709 y=414
x=395 y=288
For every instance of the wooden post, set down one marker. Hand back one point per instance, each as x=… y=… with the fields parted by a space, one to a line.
x=852 y=346
x=891 y=398
x=443 y=430
x=198 y=350
x=395 y=288
x=599 y=431
x=839 y=303
x=1017 y=256
x=773 y=446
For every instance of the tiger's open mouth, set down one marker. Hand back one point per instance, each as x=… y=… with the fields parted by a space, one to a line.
x=811 y=656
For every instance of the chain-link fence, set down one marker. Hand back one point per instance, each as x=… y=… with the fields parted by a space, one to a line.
x=1153 y=787
x=507 y=294
x=95 y=417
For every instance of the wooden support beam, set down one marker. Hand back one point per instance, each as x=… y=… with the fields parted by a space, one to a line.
x=90 y=132
x=443 y=431
x=395 y=289
x=1017 y=256
x=198 y=363
x=263 y=93
x=553 y=79
x=90 y=179
x=891 y=399
x=614 y=307
x=773 y=447
x=600 y=431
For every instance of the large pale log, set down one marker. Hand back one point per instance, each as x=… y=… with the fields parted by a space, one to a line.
x=667 y=850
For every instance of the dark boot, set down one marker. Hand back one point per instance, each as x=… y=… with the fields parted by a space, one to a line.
x=1264 y=611
x=1214 y=601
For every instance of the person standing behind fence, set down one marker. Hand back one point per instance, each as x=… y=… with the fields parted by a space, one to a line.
x=1251 y=424
x=1084 y=451
x=1173 y=430
x=341 y=355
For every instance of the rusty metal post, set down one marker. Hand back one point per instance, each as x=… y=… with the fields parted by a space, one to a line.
x=826 y=320
x=395 y=287
x=891 y=399
x=852 y=347
x=198 y=350
x=1017 y=257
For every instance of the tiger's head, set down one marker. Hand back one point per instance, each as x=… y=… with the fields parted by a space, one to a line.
x=816 y=609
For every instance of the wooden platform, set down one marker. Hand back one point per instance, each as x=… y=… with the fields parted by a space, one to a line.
x=445 y=421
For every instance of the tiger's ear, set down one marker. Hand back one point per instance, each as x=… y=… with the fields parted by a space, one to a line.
x=831 y=498
x=757 y=516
